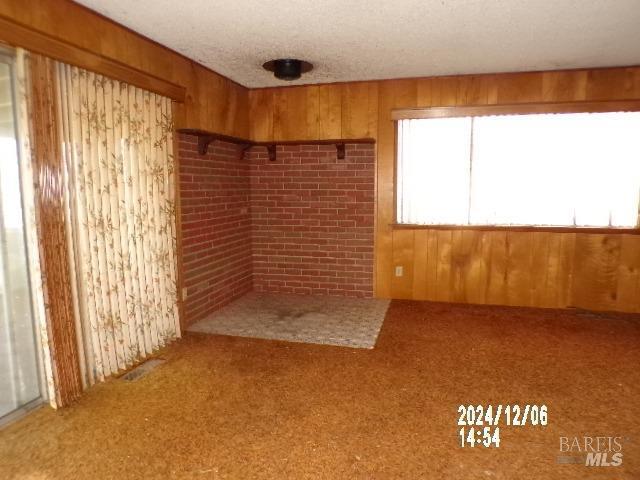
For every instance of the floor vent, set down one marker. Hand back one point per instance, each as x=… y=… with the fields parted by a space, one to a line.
x=142 y=370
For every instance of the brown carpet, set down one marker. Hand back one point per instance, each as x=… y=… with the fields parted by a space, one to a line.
x=238 y=408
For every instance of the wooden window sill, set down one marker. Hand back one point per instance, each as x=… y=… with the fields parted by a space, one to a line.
x=520 y=228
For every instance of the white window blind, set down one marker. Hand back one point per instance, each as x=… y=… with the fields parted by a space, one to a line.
x=543 y=169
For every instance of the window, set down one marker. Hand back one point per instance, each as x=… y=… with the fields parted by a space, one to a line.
x=569 y=169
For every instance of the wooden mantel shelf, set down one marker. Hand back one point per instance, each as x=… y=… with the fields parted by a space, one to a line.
x=205 y=138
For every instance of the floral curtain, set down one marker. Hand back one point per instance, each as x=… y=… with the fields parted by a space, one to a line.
x=29 y=186
x=118 y=148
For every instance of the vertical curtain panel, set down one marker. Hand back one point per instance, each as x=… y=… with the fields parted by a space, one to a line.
x=118 y=148
x=50 y=197
x=29 y=185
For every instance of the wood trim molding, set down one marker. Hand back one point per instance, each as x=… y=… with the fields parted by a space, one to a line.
x=22 y=36
x=318 y=142
x=520 y=228
x=339 y=143
x=205 y=138
x=178 y=210
x=516 y=109
x=54 y=257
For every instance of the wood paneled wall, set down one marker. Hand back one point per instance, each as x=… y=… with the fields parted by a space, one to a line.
x=586 y=270
x=314 y=112
x=213 y=102
x=546 y=269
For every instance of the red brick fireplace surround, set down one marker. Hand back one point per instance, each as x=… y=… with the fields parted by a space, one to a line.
x=303 y=223
x=312 y=219
x=216 y=226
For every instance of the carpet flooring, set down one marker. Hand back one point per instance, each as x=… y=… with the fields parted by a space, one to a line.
x=222 y=407
x=347 y=322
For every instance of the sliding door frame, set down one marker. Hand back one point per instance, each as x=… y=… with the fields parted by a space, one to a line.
x=7 y=57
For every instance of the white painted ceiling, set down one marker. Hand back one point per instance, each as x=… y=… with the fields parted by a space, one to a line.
x=371 y=39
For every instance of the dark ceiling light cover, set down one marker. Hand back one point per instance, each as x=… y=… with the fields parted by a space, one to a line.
x=287 y=68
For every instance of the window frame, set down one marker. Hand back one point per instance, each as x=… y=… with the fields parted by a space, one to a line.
x=506 y=109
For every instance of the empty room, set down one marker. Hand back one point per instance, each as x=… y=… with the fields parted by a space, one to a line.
x=319 y=240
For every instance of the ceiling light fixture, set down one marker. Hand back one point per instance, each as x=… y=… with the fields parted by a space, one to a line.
x=287 y=68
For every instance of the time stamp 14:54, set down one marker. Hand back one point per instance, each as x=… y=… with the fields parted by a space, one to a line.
x=480 y=424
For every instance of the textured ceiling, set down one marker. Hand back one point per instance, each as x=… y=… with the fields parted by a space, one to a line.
x=370 y=39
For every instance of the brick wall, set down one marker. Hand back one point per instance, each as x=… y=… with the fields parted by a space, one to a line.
x=216 y=225
x=312 y=220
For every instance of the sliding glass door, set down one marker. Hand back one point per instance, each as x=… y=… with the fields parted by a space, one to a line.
x=20 y=381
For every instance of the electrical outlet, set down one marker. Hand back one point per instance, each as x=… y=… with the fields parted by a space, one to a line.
x=399 y=271
x=184 y=293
